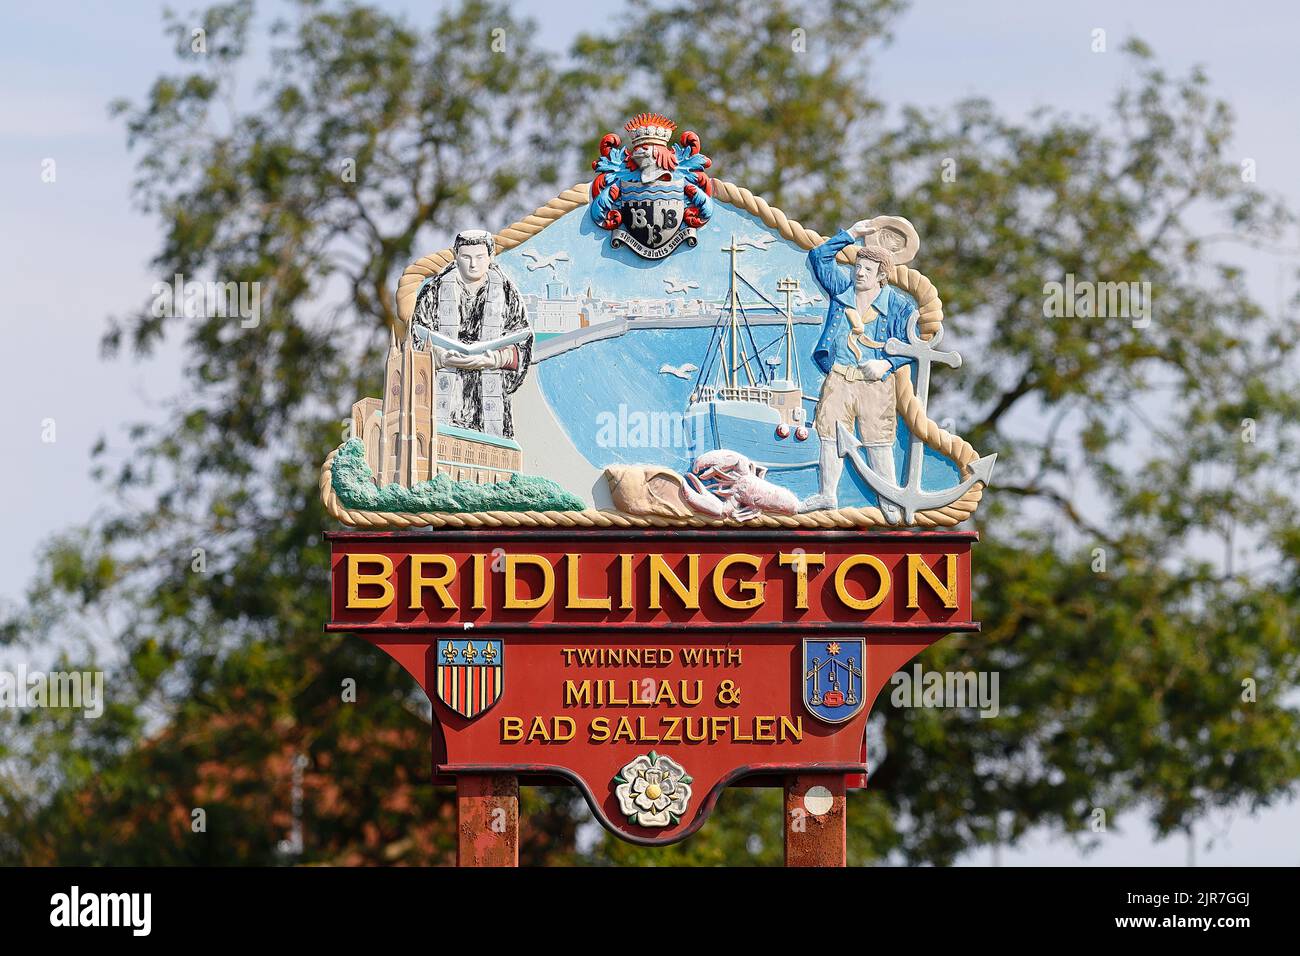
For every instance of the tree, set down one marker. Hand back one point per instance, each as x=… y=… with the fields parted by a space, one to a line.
x=364 y=135
x=1121 y=644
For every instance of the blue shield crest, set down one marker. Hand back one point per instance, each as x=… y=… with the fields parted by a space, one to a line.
x=833 y=688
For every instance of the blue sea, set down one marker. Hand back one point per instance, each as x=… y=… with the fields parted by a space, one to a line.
x=618 y=408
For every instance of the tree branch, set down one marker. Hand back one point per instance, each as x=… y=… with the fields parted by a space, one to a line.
x=1023 y=387
x=1066 y=507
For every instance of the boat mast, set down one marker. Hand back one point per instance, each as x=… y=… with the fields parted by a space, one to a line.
x=734 y=294
x=789 y=285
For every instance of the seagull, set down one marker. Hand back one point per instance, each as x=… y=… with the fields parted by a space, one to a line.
x=672 y=287
x=543 y=262
x=683 y=372
x=761 y=243
x=803 y=298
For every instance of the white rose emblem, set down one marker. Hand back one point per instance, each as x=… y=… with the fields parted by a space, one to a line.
x=653 y=791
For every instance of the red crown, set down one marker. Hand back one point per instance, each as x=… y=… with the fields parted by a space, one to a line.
x=650 y=128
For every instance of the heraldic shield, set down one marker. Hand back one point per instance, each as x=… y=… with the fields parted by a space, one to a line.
x=653 y=214
x=832 y=678
x=470 y=675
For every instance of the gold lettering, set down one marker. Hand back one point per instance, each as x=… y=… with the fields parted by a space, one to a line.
x=672 y=734
x=356 y=578
x=576 y=602
x=848 y=565
x=916 y=567
x=625 y=582
x=753 y=588
x=513 y=600
x=439 y=584
x=480 y=596
x=577 y=693
x=688 y=593
x=791 y=728
x=512 y=729
x=801 y=563
x=623 y=731
x=644 y=736
x=718 y=725
x=564 y=729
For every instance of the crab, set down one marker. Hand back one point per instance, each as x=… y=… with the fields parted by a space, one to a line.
x=726 y=484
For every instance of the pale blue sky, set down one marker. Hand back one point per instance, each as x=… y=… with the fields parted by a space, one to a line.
x=75 y=251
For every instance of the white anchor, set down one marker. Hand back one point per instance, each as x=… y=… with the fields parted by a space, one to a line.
x=910 y=497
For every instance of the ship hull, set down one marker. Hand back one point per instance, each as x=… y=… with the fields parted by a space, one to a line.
x=749 y=428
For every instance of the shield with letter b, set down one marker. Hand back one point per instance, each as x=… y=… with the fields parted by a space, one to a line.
x=653 y=218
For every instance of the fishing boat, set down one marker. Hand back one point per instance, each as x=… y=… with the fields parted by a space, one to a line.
x=746 y=398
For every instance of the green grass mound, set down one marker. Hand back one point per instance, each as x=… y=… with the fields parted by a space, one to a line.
x=355 y=486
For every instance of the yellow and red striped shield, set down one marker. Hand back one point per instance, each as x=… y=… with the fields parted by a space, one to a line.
x=469 y=674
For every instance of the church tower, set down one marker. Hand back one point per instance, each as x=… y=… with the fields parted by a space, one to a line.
x=408 y=441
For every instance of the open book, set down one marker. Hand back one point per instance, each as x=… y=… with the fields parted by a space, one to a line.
x=469 y=348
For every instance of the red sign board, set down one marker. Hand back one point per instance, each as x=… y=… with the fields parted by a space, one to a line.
x=651 y=668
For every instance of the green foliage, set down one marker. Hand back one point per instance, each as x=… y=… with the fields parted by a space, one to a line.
x=354 y=483
x=1137 y=574
x=777 y=91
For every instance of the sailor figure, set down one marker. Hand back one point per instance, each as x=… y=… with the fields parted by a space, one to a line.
x=472 y=301
x=858 y=390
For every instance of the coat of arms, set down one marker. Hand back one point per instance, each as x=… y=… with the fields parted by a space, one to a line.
x=652 y=195
x=832 y=678
x=469 y=675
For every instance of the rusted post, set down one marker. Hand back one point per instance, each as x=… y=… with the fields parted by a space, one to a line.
x=487 y=820
x=815 y=818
